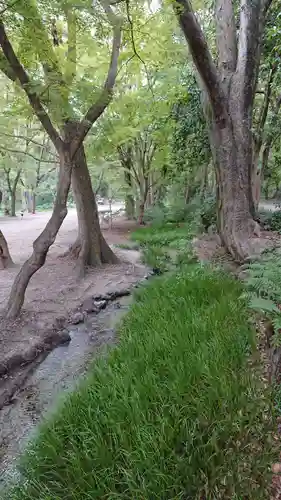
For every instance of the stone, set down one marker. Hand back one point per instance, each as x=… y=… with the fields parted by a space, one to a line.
x=64 y=336
x=100 y=304
x=60 y=322
x=89 y=306
x=77 y=318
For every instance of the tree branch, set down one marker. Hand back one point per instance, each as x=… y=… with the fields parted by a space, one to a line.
x=24 y=80
x=16 y=180
x=15 y=151
x=28 y=139
x=96 y=110
x=226 y=37
x=202 y=58
x=70 y=71
x=251 y=24
x=7 y=172
x=266 y=101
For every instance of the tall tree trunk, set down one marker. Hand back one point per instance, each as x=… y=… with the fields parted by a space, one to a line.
x=13 y=204
x=5 y=257
x=232 y=153
x=33 y=202
x=90 y=248
x=42 y=244
x=130 y=206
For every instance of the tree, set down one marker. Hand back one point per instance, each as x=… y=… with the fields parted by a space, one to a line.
x=230 y=88
x=68 y=146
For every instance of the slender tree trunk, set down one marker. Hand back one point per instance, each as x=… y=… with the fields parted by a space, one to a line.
x=90 y=248
x=33 y=202
x=42 y=244
x=13 y=203
x=5 y=257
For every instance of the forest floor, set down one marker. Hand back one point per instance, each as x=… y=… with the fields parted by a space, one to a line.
x=54 y=293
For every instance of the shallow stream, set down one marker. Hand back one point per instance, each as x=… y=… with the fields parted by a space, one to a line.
x=50 y=380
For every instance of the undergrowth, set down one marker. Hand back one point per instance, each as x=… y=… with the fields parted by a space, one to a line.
x=173 y=412
x=165 y=247
x=263 y=285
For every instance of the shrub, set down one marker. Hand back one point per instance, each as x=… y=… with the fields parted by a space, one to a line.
x=157 y=258
x=271 y=220
x=173 y=412
x=208 y=211
x=263 y=285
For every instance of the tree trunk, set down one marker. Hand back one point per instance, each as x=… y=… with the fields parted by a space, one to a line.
x=5 y=257
x=90 y=248
x=232 y=154
x=13 y=204
x=42 y=244
x=130 y=206
x=33 y=203
x=141 y=214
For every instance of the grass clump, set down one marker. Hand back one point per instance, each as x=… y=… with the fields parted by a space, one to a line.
x=174 y=412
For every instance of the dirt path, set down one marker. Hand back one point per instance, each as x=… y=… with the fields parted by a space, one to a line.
x=54 y=293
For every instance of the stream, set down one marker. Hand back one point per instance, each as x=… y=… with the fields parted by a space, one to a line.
x=52 y=379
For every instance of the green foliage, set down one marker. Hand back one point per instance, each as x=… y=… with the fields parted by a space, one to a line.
x=156 y=257
x=274 y=221
x=263 y=285
x=174 y=411
x=208 y=211
x=160 y=236
x=271 y=220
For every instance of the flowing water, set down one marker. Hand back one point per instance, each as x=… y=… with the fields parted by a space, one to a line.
x=57 y=374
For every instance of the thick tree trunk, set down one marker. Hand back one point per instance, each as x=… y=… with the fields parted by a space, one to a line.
x=90 y=248
x=5 y=257
x=13 y=204
x=42 y=244
x=232 y=154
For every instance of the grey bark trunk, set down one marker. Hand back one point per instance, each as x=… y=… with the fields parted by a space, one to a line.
x=5 y=257
x=90 y=248
x=13 y=204
x=232 y=153
x=42 y=244
x=130 y=206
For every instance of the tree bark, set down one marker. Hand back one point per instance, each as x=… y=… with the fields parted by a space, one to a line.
x=230 y=86
x=13 y=204
x=90 y=248
x=130 y=206
x=5 y=257
x=232 y=154
x=33 y=202
x=42 y=244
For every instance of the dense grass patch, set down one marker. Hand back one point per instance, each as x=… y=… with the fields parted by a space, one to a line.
x=174 y=412
x=161 y=235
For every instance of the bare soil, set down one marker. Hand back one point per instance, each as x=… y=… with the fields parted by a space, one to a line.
x=54 y=291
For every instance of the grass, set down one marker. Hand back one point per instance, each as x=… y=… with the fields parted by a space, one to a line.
x=173 y=412
x=166 y=246
x=161 y=235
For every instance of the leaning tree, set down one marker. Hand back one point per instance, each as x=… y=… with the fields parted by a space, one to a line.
x=52 y=104
x=229 y=81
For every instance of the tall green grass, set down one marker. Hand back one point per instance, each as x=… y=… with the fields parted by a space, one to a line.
x=174 y=412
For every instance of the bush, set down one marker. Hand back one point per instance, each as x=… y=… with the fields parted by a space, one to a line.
x=160 y=236
x=157 y=258
x=173 y=412
x=263 y=285
x=271 y=220
x=208 y=211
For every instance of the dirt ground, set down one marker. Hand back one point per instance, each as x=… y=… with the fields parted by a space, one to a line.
x=54 y=290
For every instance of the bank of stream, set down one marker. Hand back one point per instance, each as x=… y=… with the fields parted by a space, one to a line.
x=52 y=378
